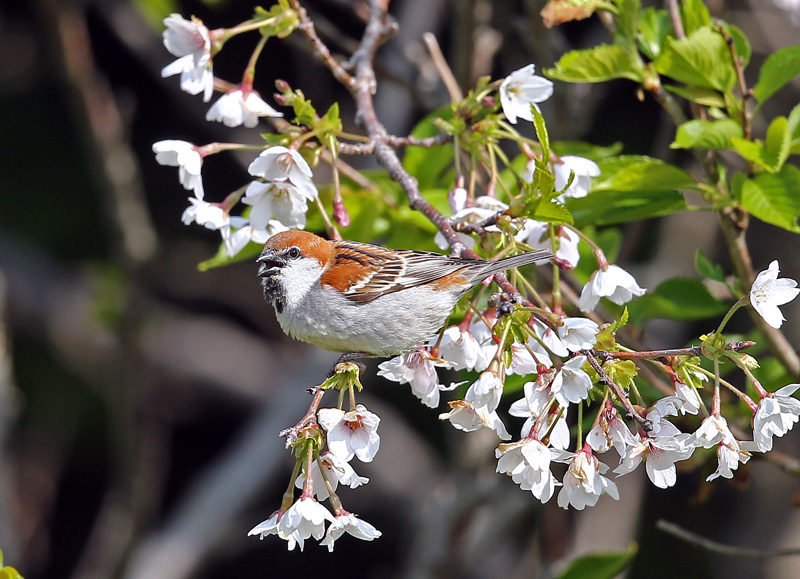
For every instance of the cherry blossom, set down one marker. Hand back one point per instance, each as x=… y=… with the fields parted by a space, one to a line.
x=186 y=157
x=241 y=232
x=769 y=292
x=538 y=398
x=571 y=383
x=689 y=397
x=464 y=416
x=336 y=471
x=578 y=333
x=521 y=89
x=351 y=524
x=486 y=391
x=280 y=201
x=528 y=358
x=470 y=349
x=457 y=199
x=584 y=482
x=240 y=107
x=657 y=416
x=610 y=431
x=305 y=518
x=777 y=413
x=190 y=41
x=659 y=455
x=729 y=456
x=550 y=339
x=528 y=463
x=713 y=431
x=584 y=170
x=280 y=165
x=270 y=527
x=537 y=235
x=418 y=370
x=209 y=215
x=351 y=433
x=611 y=282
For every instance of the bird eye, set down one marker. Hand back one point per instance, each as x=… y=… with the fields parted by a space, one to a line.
x=294 y=253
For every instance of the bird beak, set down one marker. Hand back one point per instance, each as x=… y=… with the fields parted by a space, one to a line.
x=271 y=264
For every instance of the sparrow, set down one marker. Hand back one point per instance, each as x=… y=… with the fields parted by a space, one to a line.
x=359 y=298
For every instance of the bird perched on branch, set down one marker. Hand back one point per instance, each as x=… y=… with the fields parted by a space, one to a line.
x=363 y=299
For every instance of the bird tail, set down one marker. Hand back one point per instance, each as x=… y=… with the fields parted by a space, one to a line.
x=538 y=257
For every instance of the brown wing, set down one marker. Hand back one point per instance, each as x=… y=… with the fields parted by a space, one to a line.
x=364 y=272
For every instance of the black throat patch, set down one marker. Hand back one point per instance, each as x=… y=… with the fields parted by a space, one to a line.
x=273 y=293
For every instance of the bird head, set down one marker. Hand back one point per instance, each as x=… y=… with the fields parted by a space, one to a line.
x=290 y=264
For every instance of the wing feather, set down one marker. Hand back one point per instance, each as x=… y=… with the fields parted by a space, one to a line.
x=363 y=272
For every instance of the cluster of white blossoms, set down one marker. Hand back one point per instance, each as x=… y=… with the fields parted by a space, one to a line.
x=283 y=185
x=349 y=434
x=559 y=356
x=555 y=357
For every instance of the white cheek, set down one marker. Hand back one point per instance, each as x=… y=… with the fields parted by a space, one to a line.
x=298 y=279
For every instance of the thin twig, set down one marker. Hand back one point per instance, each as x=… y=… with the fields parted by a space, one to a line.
x=655 y=354
x=746 y=94
x=480 y=225
x=442 y=67
x=319 y=48
x=618 y=392
x=410 y=141
x=675 y=16
x=363 y=90
x=709 y=545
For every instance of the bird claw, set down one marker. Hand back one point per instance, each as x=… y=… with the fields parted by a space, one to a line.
x=351 y=357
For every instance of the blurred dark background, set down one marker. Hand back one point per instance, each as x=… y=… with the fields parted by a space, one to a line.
x=140 y=399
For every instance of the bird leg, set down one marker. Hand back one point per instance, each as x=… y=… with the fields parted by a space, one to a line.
x=310 y=417
x=350 y=357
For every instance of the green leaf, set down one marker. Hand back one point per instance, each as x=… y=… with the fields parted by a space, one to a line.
x=154 y=11
x=694 y=15
x=702 y=134
x=627 y=13
x=631 y=188
x=773 y=197
x=741 y=44
x=640 y=173
x=9 y=573
x=432 y=166
x=702 y=60
x=609 y=207
x=707 y=269
x=772 y=154
x=598 y=64
x=654 y=27
x=754 y=152
x=541 y=131
x=599 y=565
x=702 y=96
x=587 y=150
x=677 y=298
x=778 y=141
x=549 y=211
x=793 y=130
x=776 y=72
